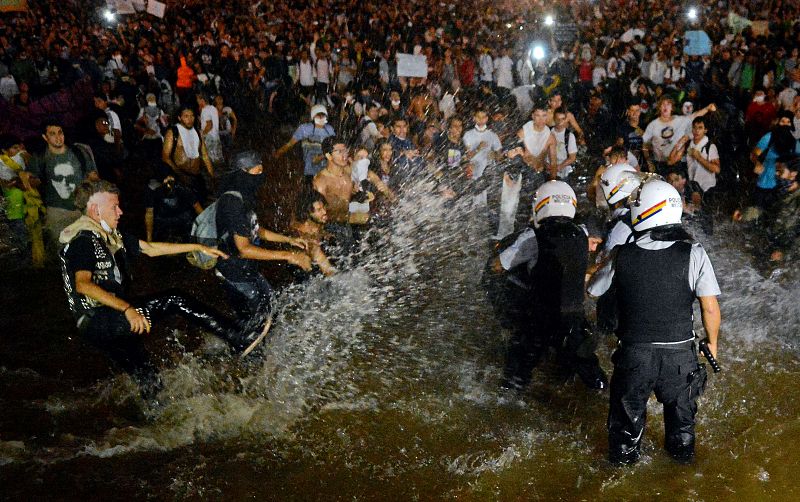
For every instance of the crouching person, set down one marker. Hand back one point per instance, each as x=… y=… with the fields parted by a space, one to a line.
x=240 y=235
x=95 y=263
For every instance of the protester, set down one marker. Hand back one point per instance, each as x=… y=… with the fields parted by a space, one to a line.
x=95 y=263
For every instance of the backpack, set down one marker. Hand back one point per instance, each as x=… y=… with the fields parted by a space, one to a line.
x=204 y=231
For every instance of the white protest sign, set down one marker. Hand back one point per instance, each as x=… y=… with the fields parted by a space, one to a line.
x=139 y=5
x=122 y=6
x=156 y=8
x=409 y=65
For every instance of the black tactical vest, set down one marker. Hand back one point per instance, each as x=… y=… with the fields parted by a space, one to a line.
x=559 y=274
x=654 y=298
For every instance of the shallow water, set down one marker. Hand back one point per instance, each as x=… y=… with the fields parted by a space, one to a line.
x=381 y=383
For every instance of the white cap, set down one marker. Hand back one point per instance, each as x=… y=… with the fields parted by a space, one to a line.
x=317 y=109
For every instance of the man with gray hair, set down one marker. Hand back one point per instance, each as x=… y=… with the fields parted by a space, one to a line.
x=95 y=264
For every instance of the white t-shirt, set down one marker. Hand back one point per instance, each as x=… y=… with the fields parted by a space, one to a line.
x=598 y=75
x=503 y=68
x=664 y=135
x=657 y=71
x=564 y=148
x=306 y=73
x=786 y=98
x=472 y=139
x=209 y=112
x=486 y=66
x=113 y=120
x=534 y=140
x=705 y=178
x=8 y=87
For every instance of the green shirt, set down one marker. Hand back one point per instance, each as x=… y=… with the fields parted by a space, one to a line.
x=15 y=203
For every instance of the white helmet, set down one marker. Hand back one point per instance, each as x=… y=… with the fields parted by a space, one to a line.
x=619 y=181
x=655 y=204
x=554 y=198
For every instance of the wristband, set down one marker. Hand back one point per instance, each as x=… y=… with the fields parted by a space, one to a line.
x=127 y=309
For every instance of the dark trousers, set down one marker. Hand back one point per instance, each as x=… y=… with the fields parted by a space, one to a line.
x=574 y=344
x=251 y=299
x=108 y=330
x=677 y=378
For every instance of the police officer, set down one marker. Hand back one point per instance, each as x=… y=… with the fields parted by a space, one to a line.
x=656 y=278
x=555 y=256
x=617 y=183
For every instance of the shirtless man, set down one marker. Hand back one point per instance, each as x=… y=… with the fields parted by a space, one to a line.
x=335 y=182
x=555 y=102
x=186 y=153
x=309 y=226
x=422 y=105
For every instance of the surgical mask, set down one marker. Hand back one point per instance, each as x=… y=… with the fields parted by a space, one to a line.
x=360 y=169
x=320 y=121
x=19 y=159
x=759 y=99
x=395 y=103
x=480 y=128
x=106 y=226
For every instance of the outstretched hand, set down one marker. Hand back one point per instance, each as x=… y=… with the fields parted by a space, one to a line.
x=301 y=260
x=213 y=252
x=298 y=243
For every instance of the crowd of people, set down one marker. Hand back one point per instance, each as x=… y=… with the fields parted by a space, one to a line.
x=516 y=107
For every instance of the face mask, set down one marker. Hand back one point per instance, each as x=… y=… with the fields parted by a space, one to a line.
x=320 y=121
x=359 y=169
x=480 y=128
x=395 y=103
x=758 y=99
x=106 y=226
x=784 y=186
x=18 y=159
x=118 y=59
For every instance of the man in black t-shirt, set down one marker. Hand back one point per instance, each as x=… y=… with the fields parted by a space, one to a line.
x=170 y=210
x=95 y=269
x=240 y=235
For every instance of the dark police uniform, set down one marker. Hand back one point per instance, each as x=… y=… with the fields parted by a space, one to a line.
x=656 y=283
x=557 y=270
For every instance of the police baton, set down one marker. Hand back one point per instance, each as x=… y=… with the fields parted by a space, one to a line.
x=703 y=346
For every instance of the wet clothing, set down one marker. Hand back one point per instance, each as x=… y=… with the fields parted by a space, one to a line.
x=676 y=377
x=107 y=256
x=555 y=256
x=621 y=232
x=249 y=293
x=656 y=282
x=310 y=138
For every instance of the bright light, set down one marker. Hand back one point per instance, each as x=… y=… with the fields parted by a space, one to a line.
x=548 y=20
x=508 y=25
x=109 y=16
x=692 y=14
x=538 y=52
